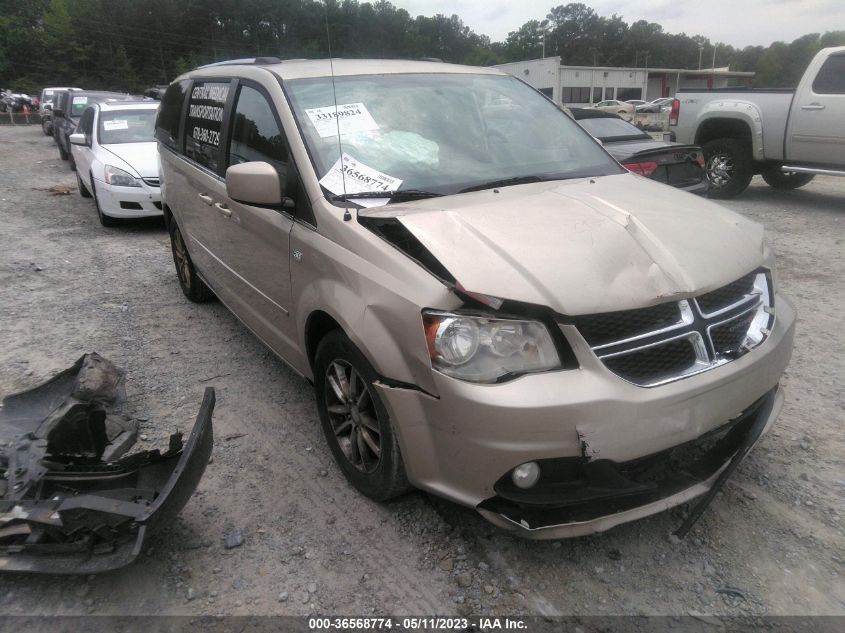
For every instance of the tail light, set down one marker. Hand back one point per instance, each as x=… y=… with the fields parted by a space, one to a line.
x=643 y=169
x=673 y=115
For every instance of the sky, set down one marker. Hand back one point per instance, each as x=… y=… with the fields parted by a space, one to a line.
x=736 y=22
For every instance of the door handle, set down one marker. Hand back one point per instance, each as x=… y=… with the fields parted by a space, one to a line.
x=812 y=106
x=223 y=209
x=205 y=198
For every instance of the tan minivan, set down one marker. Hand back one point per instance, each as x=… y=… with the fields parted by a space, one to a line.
x=489 y=306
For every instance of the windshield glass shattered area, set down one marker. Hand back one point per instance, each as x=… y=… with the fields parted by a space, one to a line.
x=441 y=133
x=127 y=126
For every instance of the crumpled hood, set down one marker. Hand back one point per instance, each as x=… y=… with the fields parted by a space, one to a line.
x=141 y=157
x=584 y=246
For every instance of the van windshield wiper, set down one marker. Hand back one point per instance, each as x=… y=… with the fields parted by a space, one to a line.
x=400 y=194
x=504 y=182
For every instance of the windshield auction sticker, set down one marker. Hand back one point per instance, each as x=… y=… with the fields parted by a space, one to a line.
x=116 y=124
x=349 y=117
x=80 y=100
x=347 y=175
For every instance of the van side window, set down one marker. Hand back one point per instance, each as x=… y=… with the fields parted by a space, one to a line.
x=204 y=122
x=256 y=135
x=169 y=113
x=831 y=77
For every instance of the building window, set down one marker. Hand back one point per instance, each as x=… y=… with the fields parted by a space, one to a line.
x=549 y=92
x=575 y=95
x=626 y=94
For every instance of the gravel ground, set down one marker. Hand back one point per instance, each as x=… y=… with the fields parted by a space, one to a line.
x=311 y=544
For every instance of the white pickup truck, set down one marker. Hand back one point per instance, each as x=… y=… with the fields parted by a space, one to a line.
x=787 y=136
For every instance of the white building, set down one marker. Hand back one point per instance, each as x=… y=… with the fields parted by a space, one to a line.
x=586 y=85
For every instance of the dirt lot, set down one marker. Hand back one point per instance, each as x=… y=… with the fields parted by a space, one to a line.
x=312 y=544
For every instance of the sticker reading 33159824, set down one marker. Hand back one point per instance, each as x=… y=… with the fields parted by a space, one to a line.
x=350 y=117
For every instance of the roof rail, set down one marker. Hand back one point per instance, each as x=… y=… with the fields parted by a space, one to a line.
x=243 y=61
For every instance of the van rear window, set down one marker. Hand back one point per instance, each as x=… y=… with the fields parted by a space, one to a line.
x=169 y=113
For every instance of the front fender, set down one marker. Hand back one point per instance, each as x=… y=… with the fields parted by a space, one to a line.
x=737 y=110
x=378 y=307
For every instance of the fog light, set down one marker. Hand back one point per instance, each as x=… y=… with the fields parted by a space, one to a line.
x=526 y=475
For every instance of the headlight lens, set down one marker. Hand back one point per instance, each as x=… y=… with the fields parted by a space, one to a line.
x=120 y=178
x=486 y=349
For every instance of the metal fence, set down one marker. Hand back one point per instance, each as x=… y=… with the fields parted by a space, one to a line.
x=20 y=118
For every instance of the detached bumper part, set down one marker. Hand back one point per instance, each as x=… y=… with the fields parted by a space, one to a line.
x=72 y=501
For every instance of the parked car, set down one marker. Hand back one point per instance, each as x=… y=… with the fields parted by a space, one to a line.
x=114 y=150
x=662 y=104
x=681 y=166
x=489 y=306
x=786 y=136
x=69 y=106
x=45 y=108
x=614 y=106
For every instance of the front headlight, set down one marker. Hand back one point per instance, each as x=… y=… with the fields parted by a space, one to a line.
x=486 y=349
x=120 y=178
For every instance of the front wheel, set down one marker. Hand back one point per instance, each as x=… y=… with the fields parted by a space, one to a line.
x=192 y=286
x=46 y=127
x=355 y=421
x=777 y=179
x=106 y=220
x=83 y=190
x=729 y=166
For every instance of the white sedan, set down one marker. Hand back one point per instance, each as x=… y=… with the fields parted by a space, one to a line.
x=116 y=160
x=616 y=107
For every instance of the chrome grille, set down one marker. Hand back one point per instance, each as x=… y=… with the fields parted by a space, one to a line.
x=152 y=182
x=659 y=344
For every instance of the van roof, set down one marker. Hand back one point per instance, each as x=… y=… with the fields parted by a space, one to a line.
x=304 y=68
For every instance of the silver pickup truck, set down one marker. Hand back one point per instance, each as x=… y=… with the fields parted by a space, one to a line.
x=786 y=136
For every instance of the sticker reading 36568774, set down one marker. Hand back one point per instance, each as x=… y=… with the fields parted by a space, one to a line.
x=349 y=117
x=347 y=175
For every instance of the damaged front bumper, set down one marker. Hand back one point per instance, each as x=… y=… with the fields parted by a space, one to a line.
x=72 y=501
x=599 y=440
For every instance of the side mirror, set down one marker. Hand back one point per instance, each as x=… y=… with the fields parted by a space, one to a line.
x=78 y=138
x=256 y=183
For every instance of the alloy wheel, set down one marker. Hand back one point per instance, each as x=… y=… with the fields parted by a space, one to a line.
x=720 y=169
x=180 y=254
x=353 y=416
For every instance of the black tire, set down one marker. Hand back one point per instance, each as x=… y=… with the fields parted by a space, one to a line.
x=106 y=220
x=729 y=166
x=192 y=286
x=380 y=476
x=777 y=179
x=47 y=127
x=83 y=190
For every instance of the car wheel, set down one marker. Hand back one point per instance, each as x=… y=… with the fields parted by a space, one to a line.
x=192 y=286
x=777 y=179
x=355 y=421
x=83 y=190
x=46 y=127
x=729 y=166
x=105 y=220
